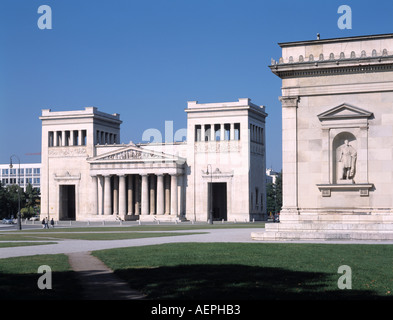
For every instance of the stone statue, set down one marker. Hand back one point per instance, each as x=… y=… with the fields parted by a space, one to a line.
x=348 y=157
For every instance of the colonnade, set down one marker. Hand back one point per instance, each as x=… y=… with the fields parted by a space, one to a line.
x=65 y=138
x=216 y=132
x=135 y=194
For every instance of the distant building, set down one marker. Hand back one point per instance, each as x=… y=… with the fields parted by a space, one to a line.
x=29 y=173
x=271 y=176
x=88 y=174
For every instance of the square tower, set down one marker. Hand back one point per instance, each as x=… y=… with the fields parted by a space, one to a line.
x=68 y=139
x=226 y=160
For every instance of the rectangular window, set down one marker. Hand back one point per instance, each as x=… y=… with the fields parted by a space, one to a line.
x=5 y=171
x=50 y=139
x=237 y=131
x=217 y=132
x=198 y=132
x=227 y=133
x=36 y=171
x=207 y=132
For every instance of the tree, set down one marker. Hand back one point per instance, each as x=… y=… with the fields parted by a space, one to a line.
x=274 y=195
x=32 y=196
x=3 y=201
x=12 y=200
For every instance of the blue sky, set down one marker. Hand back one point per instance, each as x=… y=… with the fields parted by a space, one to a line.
x=146 y=59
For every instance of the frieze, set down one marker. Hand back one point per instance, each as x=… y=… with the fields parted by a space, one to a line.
x=67 y=152
x=217 y=146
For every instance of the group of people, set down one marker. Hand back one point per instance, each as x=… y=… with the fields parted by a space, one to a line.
x=45 y=223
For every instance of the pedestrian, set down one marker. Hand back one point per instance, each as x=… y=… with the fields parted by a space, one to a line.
x=46 y=223
x=43 y=223
x=52 y=223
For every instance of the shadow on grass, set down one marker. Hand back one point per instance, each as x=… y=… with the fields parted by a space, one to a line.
x=65 y=286
x=226 y=282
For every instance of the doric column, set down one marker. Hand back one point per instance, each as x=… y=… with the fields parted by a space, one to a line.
x=167 y=182
x=174 y=194
x=203 y=132
x=222 y=132
x=100 y=195
x=72 y=138
x=94 y=209
x=107 y=195
x=137 y=187
x=115 y=194
x=152 y=188
x=145 y=194
x=130 y=194
x=122 y=195
x=160 y=193
x=212 y=133
x=232 y=132
x=79 y=137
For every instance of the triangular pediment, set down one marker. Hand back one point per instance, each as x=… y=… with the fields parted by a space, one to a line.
x=344 y=111
x=133 y=153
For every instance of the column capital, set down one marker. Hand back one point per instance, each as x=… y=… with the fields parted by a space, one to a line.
x=289 y=101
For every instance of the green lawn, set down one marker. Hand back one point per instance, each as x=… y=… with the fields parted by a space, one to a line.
x=253 y=271
x=18 y=279
x=22 y=244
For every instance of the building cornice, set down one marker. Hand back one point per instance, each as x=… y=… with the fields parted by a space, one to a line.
x=332 y=67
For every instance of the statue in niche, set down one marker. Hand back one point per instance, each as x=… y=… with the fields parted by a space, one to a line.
x=347 y=157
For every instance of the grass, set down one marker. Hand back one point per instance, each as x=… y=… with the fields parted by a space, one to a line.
x=19 y=277
x=253 y=271
x=22 y=244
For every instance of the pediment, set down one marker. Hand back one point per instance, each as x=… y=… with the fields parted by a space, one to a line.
x=134 y=153
x=345 y=111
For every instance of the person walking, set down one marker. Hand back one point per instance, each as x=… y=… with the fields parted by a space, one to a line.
x=43 y=223
x=52 y=223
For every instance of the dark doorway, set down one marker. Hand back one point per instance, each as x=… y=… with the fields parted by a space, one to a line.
x=67 y=202
x=219 y=193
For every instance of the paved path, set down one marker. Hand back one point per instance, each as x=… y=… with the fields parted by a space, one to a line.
x=99 y=281
x=72 y=246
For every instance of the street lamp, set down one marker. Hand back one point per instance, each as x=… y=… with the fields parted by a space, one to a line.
x=211 y=193
x=18 y=215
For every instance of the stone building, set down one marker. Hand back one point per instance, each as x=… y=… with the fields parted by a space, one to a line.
x=87 y=174
x=337 y=127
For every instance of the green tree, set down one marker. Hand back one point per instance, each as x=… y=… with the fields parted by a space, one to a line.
x=32 y=196
x=3 y=201
x=12 y=200
x=274 y=195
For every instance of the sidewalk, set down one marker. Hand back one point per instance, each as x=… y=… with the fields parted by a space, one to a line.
x=99 y=282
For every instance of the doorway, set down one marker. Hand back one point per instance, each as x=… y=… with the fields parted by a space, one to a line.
x=219 y=201
x=67 y=202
